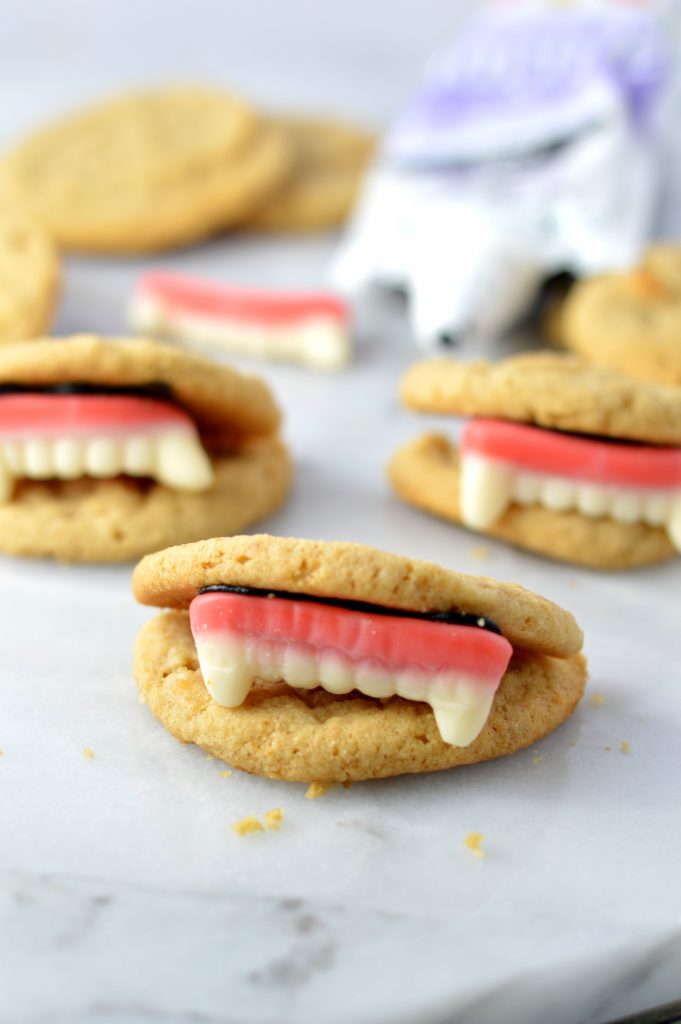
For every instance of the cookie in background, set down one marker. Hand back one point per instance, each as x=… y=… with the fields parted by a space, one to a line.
x=576 y=462
x=149 y=171
x=110 y=449
x=630 y=321
x=330 y=160
x=29 y=272
x=317 y=661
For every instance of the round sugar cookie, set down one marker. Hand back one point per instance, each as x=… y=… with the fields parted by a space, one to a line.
x=426 y=473
x=121 y=519
x=226 y=405
x=29 y=273
x=320 y=190
x=630 y=322
x=552 y=390
x=353 y=572
x=315 y=736
x=149 y=171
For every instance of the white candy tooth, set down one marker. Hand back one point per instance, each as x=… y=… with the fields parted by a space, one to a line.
x=656 y=508
x=558 y=494
x=626 y=506
x=461 y=717
x=526 y=489
x=38 y=459
x=138 y=456
x=13 y=454
x=226 y=672
x=674 y=523
x=299 y=666
x=103 y=457
x=335 y=674
x=182 y=462
x=373 y=679
x=592 y=500
x=486 y=489
x=68 y=455
x=6 y=482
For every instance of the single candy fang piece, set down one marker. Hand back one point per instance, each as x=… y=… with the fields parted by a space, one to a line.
x=65 y=435
x=300 y=327
x=504 y=463
x=307 y=643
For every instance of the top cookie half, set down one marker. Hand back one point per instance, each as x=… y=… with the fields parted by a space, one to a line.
x=559 y=392
x=353 y=572
x=227 y=406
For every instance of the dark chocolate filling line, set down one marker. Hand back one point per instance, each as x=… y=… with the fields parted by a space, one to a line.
x=452 y=618
x=154 y=389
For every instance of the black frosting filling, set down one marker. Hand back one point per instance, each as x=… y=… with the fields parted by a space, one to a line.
x=451 y=617
x=154 y=389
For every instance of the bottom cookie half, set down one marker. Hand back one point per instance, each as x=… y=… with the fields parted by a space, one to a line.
x=425 y=473
x=121 y=519
x=314 y=736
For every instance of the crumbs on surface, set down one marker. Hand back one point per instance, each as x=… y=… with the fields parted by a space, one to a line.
x=598 y=700
x=141 y=699
x=88 y=752
x=473 y=840
x=273 y=818
x=538 y=759
x=316 y=789
x=209 y=757
x=226 y=774
x=247 y=825
x=625 y=747
x=480 y=552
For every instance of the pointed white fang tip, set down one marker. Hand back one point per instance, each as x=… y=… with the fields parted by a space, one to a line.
x=486 y=490
x=462 y=721
x=182 y=462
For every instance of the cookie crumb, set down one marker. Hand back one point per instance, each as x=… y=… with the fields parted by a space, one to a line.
x=625 y=747
x=209 y=757
x=2 y=753
x=598 y=700
x=88 y=752
x=473 y=840
x=226 y=774
x=538 y=759
x=274 y=818
x=573 y=584
x=246 y=825
x=346 y=784
x=316 y=789
x=480 y=552
x=141 y=699
x=607 y=748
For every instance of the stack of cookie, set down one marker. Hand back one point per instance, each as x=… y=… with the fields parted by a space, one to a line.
x=151 y=171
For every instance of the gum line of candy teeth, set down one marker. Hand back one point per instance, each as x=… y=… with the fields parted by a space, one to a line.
x=231 y=662
x=172 y=308
x=173 y=456
x=489 y=486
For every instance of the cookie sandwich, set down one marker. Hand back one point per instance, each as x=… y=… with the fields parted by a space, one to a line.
x=630 y=321
x=577 y=462
x=327 y=661
x=113 y=448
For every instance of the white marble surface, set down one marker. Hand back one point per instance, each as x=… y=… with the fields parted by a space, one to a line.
x=124 y=894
